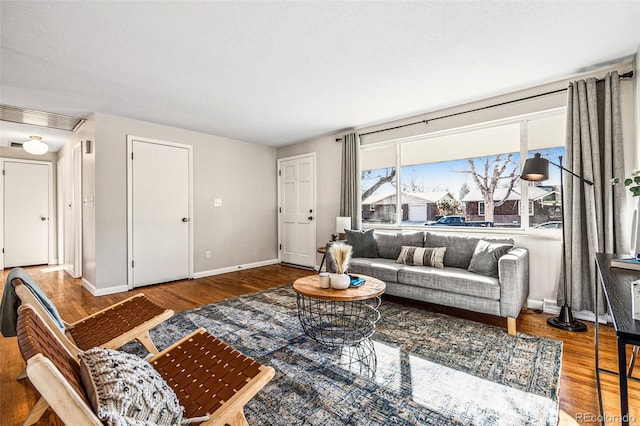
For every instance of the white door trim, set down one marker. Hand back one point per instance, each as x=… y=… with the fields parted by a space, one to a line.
x=189 y=149
x=60 y=210
x=52 y=212
x=311 y=155
x=78 y=206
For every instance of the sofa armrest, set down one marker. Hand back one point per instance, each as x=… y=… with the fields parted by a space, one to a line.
x=513 y=274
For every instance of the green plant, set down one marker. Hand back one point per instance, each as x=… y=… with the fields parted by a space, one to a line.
x=633 y=182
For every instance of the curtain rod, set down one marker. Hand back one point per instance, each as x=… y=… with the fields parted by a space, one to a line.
x=625 y=75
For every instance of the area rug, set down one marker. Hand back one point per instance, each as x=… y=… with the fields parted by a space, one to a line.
x=429 y=369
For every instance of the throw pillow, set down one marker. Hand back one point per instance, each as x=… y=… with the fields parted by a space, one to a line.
x=126 y=390
x=363 y=243
x=485 y=258
x=423 y=256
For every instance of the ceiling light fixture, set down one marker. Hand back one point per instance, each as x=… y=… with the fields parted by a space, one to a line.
x=35 y=146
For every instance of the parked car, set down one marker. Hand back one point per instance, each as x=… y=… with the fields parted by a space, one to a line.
x=553 y=224
x=457 y=221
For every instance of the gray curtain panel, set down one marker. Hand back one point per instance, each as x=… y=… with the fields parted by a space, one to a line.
x=350 y=190
x=593 y=215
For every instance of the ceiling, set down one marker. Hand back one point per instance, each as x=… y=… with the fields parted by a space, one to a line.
x=279 y=72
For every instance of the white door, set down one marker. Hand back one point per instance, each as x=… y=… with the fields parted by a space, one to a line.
x=26 y=213
x=297 y=210
x=159 y=212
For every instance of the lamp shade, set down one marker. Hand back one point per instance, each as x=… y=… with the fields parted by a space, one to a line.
x=342 y=223
x=535 y=169
x=35 y=146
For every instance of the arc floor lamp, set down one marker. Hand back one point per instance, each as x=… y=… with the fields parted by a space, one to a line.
x=536 y=169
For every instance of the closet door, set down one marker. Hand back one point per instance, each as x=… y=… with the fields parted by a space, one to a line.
x=160 y=222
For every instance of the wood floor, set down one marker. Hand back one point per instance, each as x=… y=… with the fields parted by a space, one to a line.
x=578 y=397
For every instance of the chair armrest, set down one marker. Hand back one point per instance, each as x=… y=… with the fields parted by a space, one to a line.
x=513 y=274
x=58 y=393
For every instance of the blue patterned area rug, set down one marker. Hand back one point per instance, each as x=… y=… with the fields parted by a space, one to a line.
x=430 y=369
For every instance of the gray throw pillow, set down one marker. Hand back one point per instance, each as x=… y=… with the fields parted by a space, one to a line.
x=485 y=258
x=422 y=256
x=363 y=243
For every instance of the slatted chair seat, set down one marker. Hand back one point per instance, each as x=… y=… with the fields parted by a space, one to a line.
x=208 y=376
x=110 y=328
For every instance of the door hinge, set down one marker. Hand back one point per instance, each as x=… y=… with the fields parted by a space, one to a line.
x=279 y=172
x=279 y=209
x=3 y=173
x=132 y=155
x=133 y=263
x=280 y=248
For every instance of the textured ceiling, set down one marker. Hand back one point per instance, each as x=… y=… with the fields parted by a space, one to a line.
x=280 y=72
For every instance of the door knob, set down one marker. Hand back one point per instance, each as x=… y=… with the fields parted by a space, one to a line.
x=185 y=219
x=43 y=219
x=310 y=218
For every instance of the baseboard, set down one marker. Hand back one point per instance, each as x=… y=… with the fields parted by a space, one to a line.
x=535 y=304
x=234 y=268
x=103 y=292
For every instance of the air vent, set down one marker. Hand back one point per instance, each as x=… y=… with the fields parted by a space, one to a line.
x=15 y=144
x=39 y=118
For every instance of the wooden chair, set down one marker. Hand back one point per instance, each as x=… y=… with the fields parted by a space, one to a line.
x=208 y=377
x=110 y=328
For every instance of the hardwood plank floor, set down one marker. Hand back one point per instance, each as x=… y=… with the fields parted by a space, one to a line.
x=578 y=397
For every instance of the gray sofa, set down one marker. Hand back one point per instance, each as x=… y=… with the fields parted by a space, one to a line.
x=502 y=294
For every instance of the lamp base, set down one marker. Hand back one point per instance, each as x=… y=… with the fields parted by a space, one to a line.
x=565 y=321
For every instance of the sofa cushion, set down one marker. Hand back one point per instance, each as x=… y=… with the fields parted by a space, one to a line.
x=382 y=269
x=485 y=258
x=390 y=244
x=363 y=243
x=422 y=256
x=460 y=248
x=452 y=280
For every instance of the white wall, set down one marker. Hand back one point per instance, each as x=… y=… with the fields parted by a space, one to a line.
x=636 y=76
x=243 y=232
x=545 y=250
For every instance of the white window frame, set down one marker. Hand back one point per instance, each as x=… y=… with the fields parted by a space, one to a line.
x=481 y=207
x=524 y=150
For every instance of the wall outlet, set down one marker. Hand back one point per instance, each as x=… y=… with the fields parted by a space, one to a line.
x=217 y=202
x=207 y=254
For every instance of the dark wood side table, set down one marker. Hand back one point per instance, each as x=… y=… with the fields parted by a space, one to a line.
x=616 y=283
x=322 y=250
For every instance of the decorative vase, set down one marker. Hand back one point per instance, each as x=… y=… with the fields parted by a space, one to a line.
x=340 y=281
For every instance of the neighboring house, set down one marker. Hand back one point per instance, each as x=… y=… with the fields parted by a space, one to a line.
x=544 y=205
x=416 y=206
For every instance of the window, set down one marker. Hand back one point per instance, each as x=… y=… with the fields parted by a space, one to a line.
x=471 y=172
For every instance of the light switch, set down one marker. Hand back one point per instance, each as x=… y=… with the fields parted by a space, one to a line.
x=217 y=202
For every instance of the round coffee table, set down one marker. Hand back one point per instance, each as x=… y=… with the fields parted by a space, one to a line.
x=339 y=317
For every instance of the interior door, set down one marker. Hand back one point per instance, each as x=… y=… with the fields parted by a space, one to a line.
x=26 y=213
x=297 y=210
x=160 y=207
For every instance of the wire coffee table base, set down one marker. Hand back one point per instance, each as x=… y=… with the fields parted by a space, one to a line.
x=343 y=325
x=338 y=323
